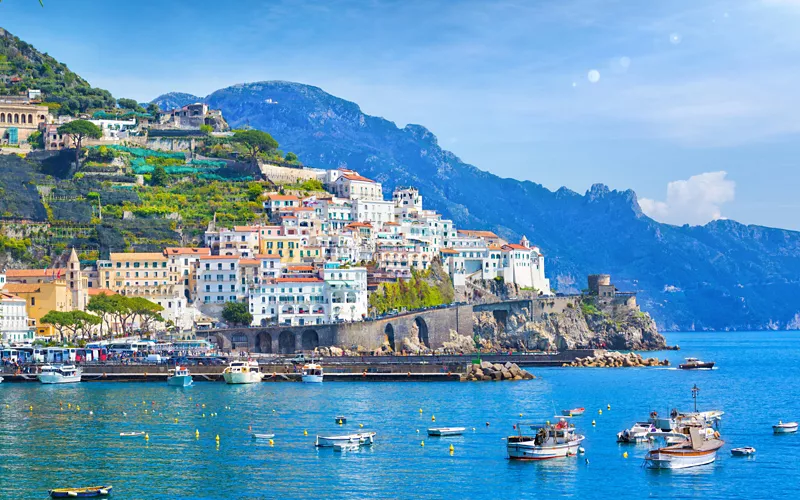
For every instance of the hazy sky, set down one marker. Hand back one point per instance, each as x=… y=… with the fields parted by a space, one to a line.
x=693 y=104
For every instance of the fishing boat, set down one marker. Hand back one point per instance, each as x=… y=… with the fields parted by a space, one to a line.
x=743 y=452
x=242 y=372
x=340 y=420
x=550 y=441
x=639 y=433
x=696 y=364
x=700 y=449
x=313 y=373
x=59 y=374
x=131 y=434
x=348 y=446
x=784 y=428
x=263 y=436
x=362 y=438
x=179 y=377
x=573 y=412
x=87 y=492
x=446 y=431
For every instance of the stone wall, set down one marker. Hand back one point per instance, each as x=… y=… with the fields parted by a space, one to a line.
x=288 y=175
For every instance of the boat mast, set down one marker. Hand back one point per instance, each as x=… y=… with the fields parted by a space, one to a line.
x=695 y=390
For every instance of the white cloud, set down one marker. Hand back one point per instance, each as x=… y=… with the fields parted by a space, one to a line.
x=695 y=201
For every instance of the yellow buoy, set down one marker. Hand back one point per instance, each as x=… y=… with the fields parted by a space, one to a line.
x=143 y=402
x=361 y=425
x=273 y=411
x=271 y=442
x=30 y=408
x=204 y=405
x=422 y=443
x=340 y=421
x=176 y=420
x=608 y=407
x=197 y=434
x=599 y=412
x=625 y=455
x=452 y=448
x=594 y=423
x=217 y=438
x=305 y=432
x=433 y=418
x=204 y=415
x=520 y=414
x=147 y=437
x=420 y=410
x=417 y=431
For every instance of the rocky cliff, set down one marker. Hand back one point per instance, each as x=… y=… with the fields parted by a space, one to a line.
x=623 y=329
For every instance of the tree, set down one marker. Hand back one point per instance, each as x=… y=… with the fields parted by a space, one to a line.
x=103 y=306
x=159 y=177
x=147 y=311
x=130 y=104
x=77 y=130
x=237 y=313
x=206 y=129
x=290 y=157
x=255 y=141
x=254 y=191
x=153 y=109
x=36 y=139
x=61 y=321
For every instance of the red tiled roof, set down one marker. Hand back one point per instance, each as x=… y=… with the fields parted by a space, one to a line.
x=22 y=287
x=283 y=197
x=268 y=256
x=98 y=291
x=356 y=177
x=300 y=268
x=31 y=273
x=478 y=233
x=448 y=251
x=514 y=246
x=187 y=251
x=242 y=229
x=249 y=262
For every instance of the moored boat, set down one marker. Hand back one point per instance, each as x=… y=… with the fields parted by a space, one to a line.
x=446 y=431
x=639 y=433
x=550 y=441
x=313 y=373
x=179 y=377
x=242 y=372
x=700 y=449
x=361 y=438
x=59 y=374
x=1 y=380
x=784 y=428
x=348 y=446
x=86 y=492
x=132 y=434
x=263 y=436
x=696 y=364
x=743 y=452
x=574 y=412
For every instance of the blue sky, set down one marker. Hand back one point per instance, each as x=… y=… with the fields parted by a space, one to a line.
x=691 y=104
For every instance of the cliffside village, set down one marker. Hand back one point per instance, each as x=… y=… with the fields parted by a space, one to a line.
x=300 y=268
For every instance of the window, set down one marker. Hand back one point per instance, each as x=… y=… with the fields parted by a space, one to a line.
x=33 y=301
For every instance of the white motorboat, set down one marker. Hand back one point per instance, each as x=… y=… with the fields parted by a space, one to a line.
x=312 y=372
x=743 y=451
x=348 y=446
x=639 y=433
x=59 y=374
x=360 y=438
x=550 y=441
x=263 y=436
x=700 y=449
x=242 y=372
x=677 y=419
x=446 y=431
x=131 y=434
x=784 y=428
x=574 y=412
x=179 y=377
x=1 y=380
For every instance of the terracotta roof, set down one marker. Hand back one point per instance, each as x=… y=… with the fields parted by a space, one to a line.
x=448 y=251
x=31 y=273
x=298 y=280
x=300 y=268
x=22 y=287
x=356 y=177
x=359 y=224
x=249 y=262
x=136 y=256
x=8 y=296
x=515 y=246
x=283 y=197
x=495 y=246
x=187 y=251
x=98 y=291
x=245 y=228
x=478 y=233
x=268 y=256
x=391 y=224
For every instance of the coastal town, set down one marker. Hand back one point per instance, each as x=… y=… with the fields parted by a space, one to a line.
x=315 y=255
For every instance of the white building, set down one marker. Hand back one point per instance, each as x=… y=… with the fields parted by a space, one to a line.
x=407 y=202
x=114 y=130
x=219 y=280
x=352 y=185
x=289 y=301
x=346 y=292
x=377 y=211
x=13 y=317
x=241 y=240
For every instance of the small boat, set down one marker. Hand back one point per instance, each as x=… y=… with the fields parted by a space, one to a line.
x=131 y=434
x=312 y=373
x=743 y=452
x=87 y=492
x=573 y=412
x=242 y=372
x=446 y=431
x=1 y=380
x=362 y=438
x=340 y=420
x=639 y=433
x=179 y=377
x=784 y=428
x=263 y=436
x=550 y=441
x=348 y=446
x=696 y=364
x=700 y=449
x=59 y=374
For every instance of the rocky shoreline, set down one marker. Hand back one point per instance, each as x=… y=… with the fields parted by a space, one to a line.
x=487 y=372
x=613 y=359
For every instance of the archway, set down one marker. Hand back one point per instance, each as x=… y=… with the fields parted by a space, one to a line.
x=389 y=335
x=286 y=342
x=264 y=342
x=239 y=340
x=423 y=331
x=310 y=340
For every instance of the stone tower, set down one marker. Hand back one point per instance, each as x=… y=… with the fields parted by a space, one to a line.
x=75 y=281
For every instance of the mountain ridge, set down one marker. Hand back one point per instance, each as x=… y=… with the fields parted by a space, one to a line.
x=723 y=275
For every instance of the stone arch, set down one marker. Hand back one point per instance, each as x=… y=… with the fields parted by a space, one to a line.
x=24 y=119
x=264 y=342
x=310 y=340
x=2 y=117
x=239 y=338
x=423 y=331
x=287 y=342
x=30 y=118
x=388 y=332
x=16 y=117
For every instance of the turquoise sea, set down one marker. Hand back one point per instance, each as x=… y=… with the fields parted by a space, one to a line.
x=755 y=384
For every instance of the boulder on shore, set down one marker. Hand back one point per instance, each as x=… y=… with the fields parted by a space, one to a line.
x=615 y=359
x=488 y=371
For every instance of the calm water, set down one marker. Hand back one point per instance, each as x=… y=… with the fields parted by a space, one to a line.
x=755 y=385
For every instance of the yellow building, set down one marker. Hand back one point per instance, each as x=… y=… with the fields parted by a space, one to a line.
x=41 y=298
x=289 y=247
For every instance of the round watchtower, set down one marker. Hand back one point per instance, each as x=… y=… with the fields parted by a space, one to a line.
x=598 y=280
